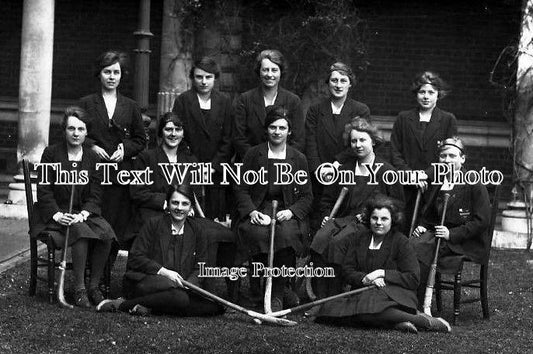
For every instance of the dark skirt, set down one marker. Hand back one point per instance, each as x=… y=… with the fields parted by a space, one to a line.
x=95 y=228
x=255 y=239
x=324 y=241
x=369 y=302
x=448 y=261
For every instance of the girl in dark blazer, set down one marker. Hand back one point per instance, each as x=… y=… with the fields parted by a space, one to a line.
x=464 y=232
x=254 y=202
x=169 y=248
x=417 y=132
x=362 y=138
x=381 y=256
x=89 y=232
x=206 y=116
x=249 y=108
x=116 y=135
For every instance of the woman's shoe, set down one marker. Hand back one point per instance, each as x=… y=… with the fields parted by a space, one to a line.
x=95 y=295
x=405 y=327
x=109 y=305
x=140 y=310
x=81 y=299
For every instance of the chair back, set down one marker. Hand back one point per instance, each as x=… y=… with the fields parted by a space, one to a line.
x=493 y=213
x=28 y=190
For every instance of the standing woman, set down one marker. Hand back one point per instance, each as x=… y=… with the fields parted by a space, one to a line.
x=380 y=255
x=254 y=204
x=325 y=122
x=116 y=135
x=417 y=132
x=90 y=235
x=250 y=107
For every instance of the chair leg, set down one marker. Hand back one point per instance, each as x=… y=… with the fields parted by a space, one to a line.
x=33 y=266
x=483 y=276
x=456 y=296
x=107 y=279
x=438 y=292
x=51 y=271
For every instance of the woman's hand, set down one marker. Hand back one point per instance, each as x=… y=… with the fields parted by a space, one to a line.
x=258 y=218
x=379 y=282
x=419 y=231
x=371 y=277
x=325 y=220
x=172 y=275
x=118 y=155
x=284 y=215
x=100 y=152
x=443 y=232
x=422 y=181
x=67 y=219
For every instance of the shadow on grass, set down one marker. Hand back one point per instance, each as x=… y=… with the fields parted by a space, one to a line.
x=32 y=325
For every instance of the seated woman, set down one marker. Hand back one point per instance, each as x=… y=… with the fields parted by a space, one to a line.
x=149 y=199
x=361 y=137
x=464 y=232
x=168 y=250
x=381 y=256
x=254 y=204
x=89 y=232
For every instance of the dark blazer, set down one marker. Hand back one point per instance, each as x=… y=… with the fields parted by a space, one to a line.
x=412 y=151
x=209 y=139
x=150 y=250
x=358 y=195
x=297 y=198
x=148 y=200
x=126 y=126
x=323 y=141
x=396 y=257
x=249 y=118
x=467 y=218
x=53 y=198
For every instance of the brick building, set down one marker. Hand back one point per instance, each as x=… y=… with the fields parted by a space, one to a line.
x=459 y=39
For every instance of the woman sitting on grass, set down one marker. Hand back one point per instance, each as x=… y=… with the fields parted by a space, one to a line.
x=168 y=249
x=381 y=256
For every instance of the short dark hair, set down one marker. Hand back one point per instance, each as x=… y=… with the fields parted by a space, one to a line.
x=362 y=125
x=381 y=201
x=207 y=64
x=344 y=69
x=109 y=58
x=184 y=189
x=453 y=141
x=167 y=118
x=74 y=111
x=274 y=56
x=433 y=79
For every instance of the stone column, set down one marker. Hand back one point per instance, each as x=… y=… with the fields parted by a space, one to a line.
x=35 y=92
x=142 y=55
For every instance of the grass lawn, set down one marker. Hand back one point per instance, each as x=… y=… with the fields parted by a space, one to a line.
x=31 y=325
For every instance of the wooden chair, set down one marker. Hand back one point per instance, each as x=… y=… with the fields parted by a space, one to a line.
x=480 y=282
x=52 y=245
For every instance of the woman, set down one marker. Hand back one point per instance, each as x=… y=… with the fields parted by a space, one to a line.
x=206 y=115
x=381 y=256
x=361 y=137
x=116 y=135
x=90 y=235
x=254 y=203
x=149 y=199
x=169 y=249
x=417 y=132
x=464 y=232
x=250 y=107
x=325 y=122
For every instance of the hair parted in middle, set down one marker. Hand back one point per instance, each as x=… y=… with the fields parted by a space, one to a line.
x=274 y=56
x=362 y=125
x=111 y=57
x=184 y=189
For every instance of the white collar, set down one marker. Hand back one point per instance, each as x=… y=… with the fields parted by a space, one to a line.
x=75 y=157
x=277 y=155
x=373 y=246
x=204 y=104
x=359 y=168
x=175 y=231
x=335 y=109
x=270 y=102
